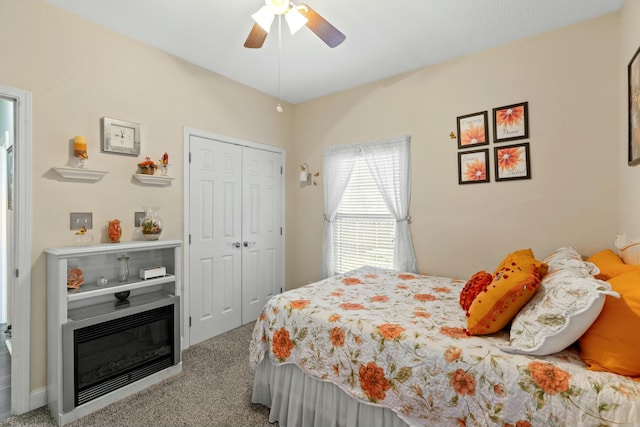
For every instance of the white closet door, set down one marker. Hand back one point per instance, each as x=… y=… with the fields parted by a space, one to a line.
x=215 y=269
x=261 y=230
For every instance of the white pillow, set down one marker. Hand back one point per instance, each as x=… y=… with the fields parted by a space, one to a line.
x=566 y=304
x=569 y=258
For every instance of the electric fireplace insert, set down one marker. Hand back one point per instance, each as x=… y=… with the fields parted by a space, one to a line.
x=104 y=352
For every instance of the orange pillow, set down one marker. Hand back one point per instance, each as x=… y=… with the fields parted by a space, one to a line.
x=522 y=254
x=611 y=343
x=515 y=282
x=610 y=264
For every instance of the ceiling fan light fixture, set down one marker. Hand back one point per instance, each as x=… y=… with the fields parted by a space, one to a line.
x=264 y=18
x=278 y=7
x=295 y=20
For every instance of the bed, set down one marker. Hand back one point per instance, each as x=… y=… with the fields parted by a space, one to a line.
x=375 y=347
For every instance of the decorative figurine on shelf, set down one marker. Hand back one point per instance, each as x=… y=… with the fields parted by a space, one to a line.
x=82 y=238
x=164 y=165
x=75 y=278
x=114 y=231
x=148 y=167
x=80 y=150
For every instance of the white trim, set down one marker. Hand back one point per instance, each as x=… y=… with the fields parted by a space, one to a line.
x=21 y=290
x=38 y=398
x=188 y=132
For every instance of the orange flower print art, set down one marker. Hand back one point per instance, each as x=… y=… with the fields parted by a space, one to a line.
x=508 y=158
x=373 y=382
x=512 y=162
x=511 y=122
x=473 y=136
x=472 y=166
x=472 y=130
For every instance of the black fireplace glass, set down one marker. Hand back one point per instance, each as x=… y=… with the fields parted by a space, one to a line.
x=111 y=354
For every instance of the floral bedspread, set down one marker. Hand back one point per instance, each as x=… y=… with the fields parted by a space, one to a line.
x=398 y=341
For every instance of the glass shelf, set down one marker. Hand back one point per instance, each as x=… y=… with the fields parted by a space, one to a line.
x=90 y=290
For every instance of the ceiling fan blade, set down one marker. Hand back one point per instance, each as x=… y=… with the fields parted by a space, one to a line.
x=256 y=37
x=323 y=29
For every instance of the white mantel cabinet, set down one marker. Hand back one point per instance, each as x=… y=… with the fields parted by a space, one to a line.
x=65 y=306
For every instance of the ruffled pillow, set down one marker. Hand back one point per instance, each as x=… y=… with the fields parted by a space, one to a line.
x=568 y=302
x=569 y=258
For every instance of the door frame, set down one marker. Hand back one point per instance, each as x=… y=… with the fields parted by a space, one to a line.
x=21 y=285
x=188 y=132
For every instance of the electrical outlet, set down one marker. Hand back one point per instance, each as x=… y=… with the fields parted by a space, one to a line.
x=79 y=219
x=137 y=219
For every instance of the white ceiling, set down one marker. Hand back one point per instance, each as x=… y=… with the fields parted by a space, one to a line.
x=384 y=38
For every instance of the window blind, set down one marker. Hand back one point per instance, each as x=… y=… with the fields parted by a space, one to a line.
x=363 y=229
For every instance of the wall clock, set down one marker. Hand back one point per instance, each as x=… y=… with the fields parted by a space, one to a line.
x=120 y=137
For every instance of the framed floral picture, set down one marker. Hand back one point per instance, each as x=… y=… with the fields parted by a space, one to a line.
x=511 y=122
x=634 y=109
x=472 y=130
x=473 y=166
x=512 y=162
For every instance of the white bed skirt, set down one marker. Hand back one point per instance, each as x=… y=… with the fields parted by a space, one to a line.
x=297 y=399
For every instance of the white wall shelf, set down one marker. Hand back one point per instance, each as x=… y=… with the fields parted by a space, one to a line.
x=80 y=174
x=159 y=180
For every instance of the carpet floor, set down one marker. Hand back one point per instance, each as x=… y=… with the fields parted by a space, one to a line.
x=213 y=389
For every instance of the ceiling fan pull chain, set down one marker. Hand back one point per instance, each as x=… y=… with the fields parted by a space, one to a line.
x=279 y=108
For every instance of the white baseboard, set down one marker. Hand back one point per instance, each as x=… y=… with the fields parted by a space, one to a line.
x=38 y=398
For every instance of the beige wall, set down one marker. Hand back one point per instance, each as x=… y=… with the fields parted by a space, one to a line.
x=629 y=176
x=570 y=79
x=79 y=72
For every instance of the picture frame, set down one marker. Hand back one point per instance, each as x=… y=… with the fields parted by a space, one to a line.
x=511 y=122
x=633 y=74
x=512 y=162
x=473 y=130
x=473 y=166
x=120 y=137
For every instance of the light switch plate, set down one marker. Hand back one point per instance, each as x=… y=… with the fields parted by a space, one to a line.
x=78 y=219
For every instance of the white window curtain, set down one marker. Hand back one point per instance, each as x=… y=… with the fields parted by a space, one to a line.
x=388 y=161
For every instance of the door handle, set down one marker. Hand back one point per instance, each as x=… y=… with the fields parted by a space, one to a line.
x=236 y=244
x=248 y=244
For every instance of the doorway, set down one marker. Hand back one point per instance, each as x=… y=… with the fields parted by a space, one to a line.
x=234 y=232
x=15 y=237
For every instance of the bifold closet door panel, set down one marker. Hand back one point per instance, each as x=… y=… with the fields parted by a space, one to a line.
x=215 y=219
x=261 y=229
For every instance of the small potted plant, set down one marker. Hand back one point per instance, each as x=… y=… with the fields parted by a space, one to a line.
x=148 y=167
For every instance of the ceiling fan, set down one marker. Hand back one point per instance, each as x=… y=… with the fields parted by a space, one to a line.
x=297 y=16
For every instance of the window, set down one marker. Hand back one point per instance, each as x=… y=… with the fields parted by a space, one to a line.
x=366 y=207
x=364 y=229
